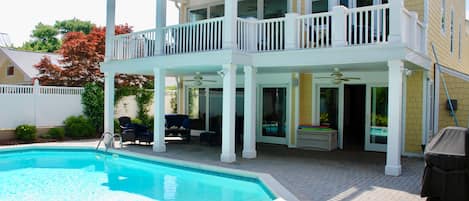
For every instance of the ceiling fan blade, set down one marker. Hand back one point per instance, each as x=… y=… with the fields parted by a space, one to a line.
x=323 y=78
x=351 y=78
x=213 y=81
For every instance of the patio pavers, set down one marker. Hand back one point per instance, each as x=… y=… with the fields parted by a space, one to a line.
x=314 y=175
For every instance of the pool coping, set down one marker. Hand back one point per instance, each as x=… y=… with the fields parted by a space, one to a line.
x=277 y=189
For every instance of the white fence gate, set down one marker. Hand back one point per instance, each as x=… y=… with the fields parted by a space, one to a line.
x=38 y=105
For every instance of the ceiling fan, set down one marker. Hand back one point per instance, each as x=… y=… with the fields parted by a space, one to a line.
x=338 y=77
x=199 y=80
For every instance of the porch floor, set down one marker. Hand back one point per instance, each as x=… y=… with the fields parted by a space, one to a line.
x=313 y=175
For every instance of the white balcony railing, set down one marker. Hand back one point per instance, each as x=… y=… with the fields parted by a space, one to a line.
x=368 y=25
x=260 y=35
x=340 y=27
x=314 y=30
x=204 y=35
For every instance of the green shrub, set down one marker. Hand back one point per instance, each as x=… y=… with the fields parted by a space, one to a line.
x=56 y=133
x=137 y=121
x=26 y=133
x=78 y=127
x=92 y=100
x=117 y=128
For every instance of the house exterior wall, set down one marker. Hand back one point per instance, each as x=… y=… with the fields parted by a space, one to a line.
x=416 y=6
x=441 y=40
x=458 y=89
x=17 y=78
x=414 y=109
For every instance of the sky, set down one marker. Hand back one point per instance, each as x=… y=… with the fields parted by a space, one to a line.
x=18 y=17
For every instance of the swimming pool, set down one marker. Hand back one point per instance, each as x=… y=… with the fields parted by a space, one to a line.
x=84 y=174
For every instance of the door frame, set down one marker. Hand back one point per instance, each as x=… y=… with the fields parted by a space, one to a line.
x=260 y=95
x=369 y=146
x=340 y=111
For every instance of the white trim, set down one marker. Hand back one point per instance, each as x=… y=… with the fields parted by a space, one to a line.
x=404 y=111
x=267 y=139
x=455 y=73
x=436 y=98
x=424 y=107
x=297 y=108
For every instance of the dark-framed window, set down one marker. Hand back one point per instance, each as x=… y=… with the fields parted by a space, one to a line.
x=10 y=70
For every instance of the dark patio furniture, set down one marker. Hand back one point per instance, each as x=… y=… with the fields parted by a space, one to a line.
x=178 y=125
x=446 y=175
x=210 y=137
x=134 y=132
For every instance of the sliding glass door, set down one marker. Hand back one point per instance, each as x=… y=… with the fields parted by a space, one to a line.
x=273 y=115
x=376 y=138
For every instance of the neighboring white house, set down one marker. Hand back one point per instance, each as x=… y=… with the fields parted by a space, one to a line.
x=17 y=66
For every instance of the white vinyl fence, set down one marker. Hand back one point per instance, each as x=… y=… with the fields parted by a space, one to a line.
x=38 y=105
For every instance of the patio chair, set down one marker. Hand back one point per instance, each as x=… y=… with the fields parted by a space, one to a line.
x=178 y=125
x=134 y=132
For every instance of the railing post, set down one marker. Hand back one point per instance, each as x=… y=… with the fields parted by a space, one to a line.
x=110 y=28
x=339 y=26
x=291 y=31
x=413 y=40
x=229 y=24
x=396 y=20
x=252 y=34
x=160 y=24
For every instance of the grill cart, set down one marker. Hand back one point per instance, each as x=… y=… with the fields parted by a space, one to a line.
x=446 y=175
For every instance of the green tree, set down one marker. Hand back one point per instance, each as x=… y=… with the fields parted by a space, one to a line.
x=44 y=39
x=73 y=25
x=93 y=105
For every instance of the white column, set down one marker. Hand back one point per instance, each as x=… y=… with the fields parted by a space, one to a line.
x=160 y=24
x=339 y=26
x=109 y=102
x=395 y=92
x=249 y=139
x=228 y=118
x=110 y=28
x=395 y=20
x=291 y=31
x=159 y=120
x=229 y=24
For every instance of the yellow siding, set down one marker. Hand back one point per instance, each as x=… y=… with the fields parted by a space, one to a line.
x=457 y=89
x=413 y=124
x=441 y=40
x=17 y=78
x=416 y=6
x=306 y=99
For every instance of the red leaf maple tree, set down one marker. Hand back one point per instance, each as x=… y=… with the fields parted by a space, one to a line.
x=81 y=55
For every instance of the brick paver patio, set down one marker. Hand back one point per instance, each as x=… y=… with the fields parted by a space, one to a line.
x=315 y=175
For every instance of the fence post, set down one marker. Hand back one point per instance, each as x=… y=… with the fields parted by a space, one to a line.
x=396 y=20
x=291 y=31
x=339 y=26
x=36 y=93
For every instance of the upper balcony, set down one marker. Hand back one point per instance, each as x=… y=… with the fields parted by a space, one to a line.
x=341 y=27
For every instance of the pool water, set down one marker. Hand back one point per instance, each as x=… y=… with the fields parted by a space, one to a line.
x=55 y=175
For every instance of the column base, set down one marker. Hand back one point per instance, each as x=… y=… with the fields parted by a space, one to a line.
x=393 y=170
x=159 y=148
x=249 y=154
x=228 y=158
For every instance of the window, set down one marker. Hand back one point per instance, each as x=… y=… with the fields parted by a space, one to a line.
x=199 y=14
x=451 y=32
x=275 y=8
x=459 y=42
x=247 y=8
x=443 y=16
x=319 y=6
x=10 y=70
x=344 y=3
x=362 y=3
x=217 y=11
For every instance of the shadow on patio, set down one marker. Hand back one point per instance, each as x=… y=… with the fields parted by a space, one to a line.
x=313 y=175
